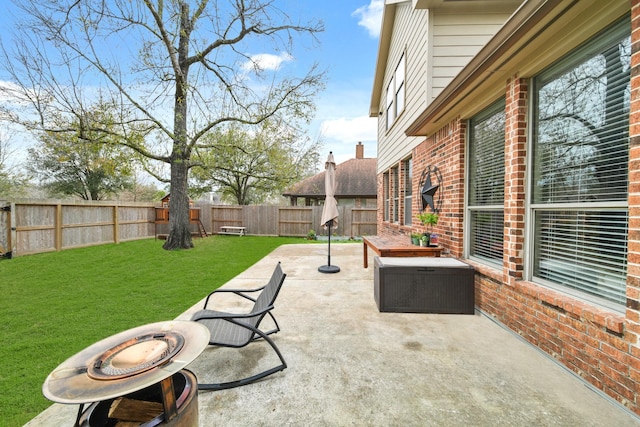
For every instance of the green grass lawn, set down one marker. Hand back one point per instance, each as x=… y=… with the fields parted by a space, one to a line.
x=56 y=304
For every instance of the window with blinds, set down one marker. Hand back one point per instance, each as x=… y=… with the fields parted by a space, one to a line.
x=580 y=168
x=408 y=191
x=385 y=195
x=395 y=183
x=485 y=202
x=583 y=250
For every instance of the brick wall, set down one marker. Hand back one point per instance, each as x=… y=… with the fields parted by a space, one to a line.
x=514 y=181
x=598 y=345
x=632 y=315
x=601 y=346
x=444 y=150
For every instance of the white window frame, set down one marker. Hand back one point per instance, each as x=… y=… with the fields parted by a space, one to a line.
x=395 y=96
x=390 y=108
x=399 y=78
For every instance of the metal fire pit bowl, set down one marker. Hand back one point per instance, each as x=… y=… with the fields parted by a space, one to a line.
x=126 y=362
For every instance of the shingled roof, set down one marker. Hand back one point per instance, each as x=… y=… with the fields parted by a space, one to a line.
x=354 y=178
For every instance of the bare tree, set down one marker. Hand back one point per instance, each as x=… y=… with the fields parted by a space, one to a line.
x=180 y=68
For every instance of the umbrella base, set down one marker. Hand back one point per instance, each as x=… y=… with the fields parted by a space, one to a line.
x=328 y=269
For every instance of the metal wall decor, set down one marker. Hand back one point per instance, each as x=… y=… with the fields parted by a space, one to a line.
x=431 y=180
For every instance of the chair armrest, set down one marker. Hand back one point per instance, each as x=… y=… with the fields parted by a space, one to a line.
x=207 y=314
x=240 y=292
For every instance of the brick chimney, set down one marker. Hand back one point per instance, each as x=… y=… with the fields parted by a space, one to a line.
x=359 y=151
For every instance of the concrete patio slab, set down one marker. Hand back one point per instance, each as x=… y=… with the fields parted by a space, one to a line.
x=350 y=365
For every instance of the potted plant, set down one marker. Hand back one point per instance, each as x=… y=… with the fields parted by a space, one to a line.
x=415 y=238
x=424 y=241
x=311 y=235
x=430 y=219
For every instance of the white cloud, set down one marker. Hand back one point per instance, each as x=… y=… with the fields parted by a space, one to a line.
x=11 y=93
x=350 y=131
x=370 y=17
x=266 y=61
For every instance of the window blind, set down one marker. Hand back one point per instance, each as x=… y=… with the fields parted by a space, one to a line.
x=582 y=128
x=583 y=250
x=408 y=191
x=486 y=184
x=580 y=168
x=487 y=235
x=486 y=159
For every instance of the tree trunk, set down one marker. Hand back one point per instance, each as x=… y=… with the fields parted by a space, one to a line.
x=179 y=232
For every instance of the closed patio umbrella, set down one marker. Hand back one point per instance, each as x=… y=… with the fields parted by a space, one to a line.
x=330 y=209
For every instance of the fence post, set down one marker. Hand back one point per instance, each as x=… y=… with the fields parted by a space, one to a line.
x=11 y=242
x=116 y=237
x=58 y=227
x=5 y=230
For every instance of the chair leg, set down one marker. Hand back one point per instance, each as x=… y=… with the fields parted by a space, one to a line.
x=272 y=331
x=253 y=378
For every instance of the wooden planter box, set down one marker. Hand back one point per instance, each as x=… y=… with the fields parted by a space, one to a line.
x=423 y=285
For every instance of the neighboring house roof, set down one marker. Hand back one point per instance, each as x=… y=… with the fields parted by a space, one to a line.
x=354 y=178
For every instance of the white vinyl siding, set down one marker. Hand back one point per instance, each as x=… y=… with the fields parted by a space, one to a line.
x=393 y=144
x=436 y=47
x=456 y=39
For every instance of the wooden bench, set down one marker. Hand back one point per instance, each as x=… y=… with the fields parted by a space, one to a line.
x=396 y=246
x=228 y=229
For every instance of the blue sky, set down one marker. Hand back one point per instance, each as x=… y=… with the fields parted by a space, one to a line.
x=347 y=50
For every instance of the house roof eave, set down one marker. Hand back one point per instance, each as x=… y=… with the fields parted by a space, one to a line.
x=514 y=49
x=386 y=30
x=478 y=69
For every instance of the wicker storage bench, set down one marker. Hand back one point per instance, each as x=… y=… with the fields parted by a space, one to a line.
x=423 y=285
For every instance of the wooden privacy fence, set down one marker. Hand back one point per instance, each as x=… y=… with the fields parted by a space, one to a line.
x=293 y=220
x=44 y=226
x=34 y=226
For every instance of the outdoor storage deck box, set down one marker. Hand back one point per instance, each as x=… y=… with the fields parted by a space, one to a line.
x=423 y=285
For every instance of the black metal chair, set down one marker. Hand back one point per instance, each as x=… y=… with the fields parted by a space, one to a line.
x=238 y=330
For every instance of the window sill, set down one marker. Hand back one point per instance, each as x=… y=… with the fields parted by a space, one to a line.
x=565 y=304
x=572 y=307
